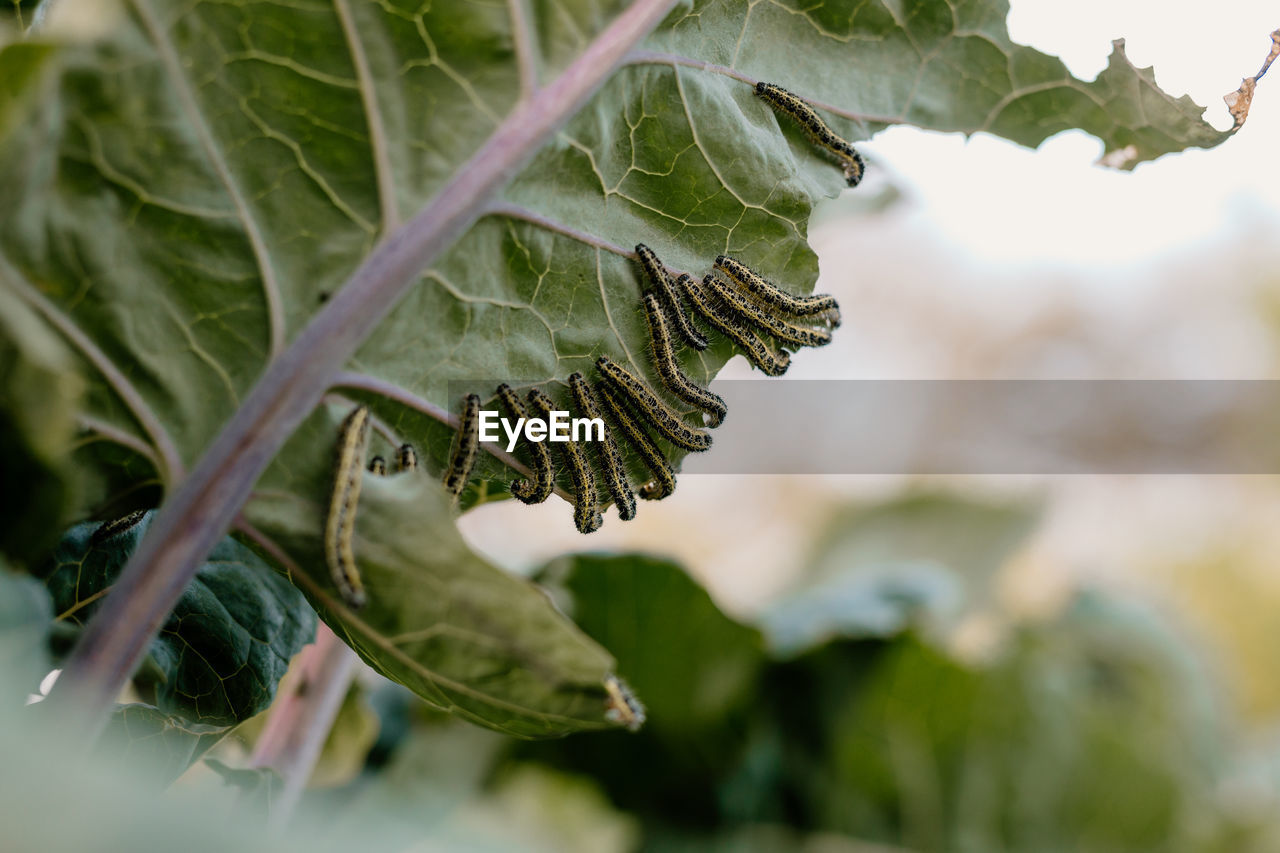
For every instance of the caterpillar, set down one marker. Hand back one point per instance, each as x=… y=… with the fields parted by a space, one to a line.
x=586 y=512
x=615 y=473
x=772 y=363
x=782 y=330
x=664 y=479
x=463 y=458
x=658 y=414
x=340 y=522
x=770 y=294
x=670 y=297
x=109 y=529
x=815 y=128
x=538 y=489
x=406 y=458
x=672 y=376
x=621 y=705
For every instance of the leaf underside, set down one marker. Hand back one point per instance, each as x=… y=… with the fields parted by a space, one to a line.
x=179 y=197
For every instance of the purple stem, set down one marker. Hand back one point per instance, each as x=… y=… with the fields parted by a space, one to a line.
x=300 y=720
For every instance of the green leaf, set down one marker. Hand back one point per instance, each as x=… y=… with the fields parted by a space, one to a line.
x=689 y=663
x=143 y=735
x=696 y=670
x=1098 y=730
x=217 y=169
x=941 y=66
x=227 y=643
x=923 y=560
x=182 y=195
x=459 y=632
x=1095 y=731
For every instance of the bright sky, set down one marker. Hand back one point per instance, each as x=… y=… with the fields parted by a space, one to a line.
x=1007 y=204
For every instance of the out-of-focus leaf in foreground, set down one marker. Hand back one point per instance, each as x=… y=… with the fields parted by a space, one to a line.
x=434 y=790
x=181 y=195
x=25 y=614
x=144 y=736
x=223 y=648
x=117 y=805
x=258 y=787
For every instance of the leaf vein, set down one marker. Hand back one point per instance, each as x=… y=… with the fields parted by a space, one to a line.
x=169 y=59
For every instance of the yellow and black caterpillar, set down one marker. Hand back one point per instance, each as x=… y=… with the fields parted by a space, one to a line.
x=344 y=497
x=764 y=321
x=815 y=128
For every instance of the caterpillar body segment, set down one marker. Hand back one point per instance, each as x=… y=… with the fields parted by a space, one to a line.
x=731 y=326
x=664 y=479
x=586 y=506
x=669 y=369
x=670 y=296
x=656 y=412
x=615 y=472
x=463 y=457
x=110 y=529
x=765 y=291
x=789 y=333
x=406 y=458
x=340 y=520
x=538 y=489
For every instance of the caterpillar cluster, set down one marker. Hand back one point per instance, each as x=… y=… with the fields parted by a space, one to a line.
x=764 y=321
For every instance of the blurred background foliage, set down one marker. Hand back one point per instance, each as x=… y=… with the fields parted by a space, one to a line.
x=1101 y=724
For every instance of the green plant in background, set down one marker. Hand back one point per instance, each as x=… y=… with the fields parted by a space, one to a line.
x=225 y=224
